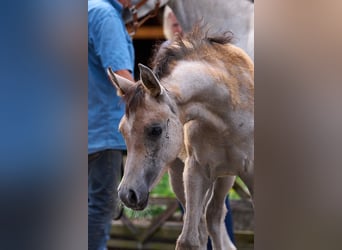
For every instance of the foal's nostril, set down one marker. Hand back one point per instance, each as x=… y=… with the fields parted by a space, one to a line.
x=132 y=197
x=135 y=199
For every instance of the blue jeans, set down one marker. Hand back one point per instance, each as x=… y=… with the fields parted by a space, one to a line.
x=104 y=175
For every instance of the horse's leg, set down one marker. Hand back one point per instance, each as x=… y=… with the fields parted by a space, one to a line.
x=202 y=228
x=247 y=175
x=196 y=185
x=202 y=232
x=216 y=212
x=176 y=169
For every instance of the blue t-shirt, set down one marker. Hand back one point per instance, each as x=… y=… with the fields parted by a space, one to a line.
x=109 y=45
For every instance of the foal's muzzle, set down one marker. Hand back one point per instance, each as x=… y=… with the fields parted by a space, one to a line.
x=134 y=199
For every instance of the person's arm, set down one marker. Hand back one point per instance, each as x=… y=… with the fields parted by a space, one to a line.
x=111 y=44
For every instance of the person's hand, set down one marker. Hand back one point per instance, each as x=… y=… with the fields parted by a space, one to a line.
x=125 y=3
x=126 y=74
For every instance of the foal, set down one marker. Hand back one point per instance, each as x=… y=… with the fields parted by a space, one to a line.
x=196 y=107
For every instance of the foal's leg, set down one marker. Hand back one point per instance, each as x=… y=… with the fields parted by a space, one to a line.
x=176 y=169
x=202 y=228
x=247 y=175
x=196 y=184
x=216 y=212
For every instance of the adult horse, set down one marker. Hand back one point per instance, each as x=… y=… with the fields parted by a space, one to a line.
x=196 y=106
x=236 y=16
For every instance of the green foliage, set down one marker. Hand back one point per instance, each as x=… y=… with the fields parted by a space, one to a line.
x=234 y=195
x=149 y=213
x=163 y=189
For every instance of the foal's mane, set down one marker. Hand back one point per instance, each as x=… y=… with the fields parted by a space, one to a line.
x=196 y=45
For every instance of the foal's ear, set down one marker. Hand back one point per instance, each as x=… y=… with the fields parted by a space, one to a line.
x=150 y=80
x=120 y=83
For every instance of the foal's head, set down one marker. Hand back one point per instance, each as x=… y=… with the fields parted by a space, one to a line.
x=153 y=135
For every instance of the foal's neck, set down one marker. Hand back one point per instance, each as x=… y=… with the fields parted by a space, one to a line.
x=197 y=91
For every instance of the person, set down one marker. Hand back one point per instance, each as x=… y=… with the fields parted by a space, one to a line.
x=172 y=29
x=109 y=45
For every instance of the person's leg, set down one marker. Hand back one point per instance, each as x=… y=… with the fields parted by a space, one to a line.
x=104 y=174
x=228 y=221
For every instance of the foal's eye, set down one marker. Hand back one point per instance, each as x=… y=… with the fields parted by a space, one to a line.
x=154 y=131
